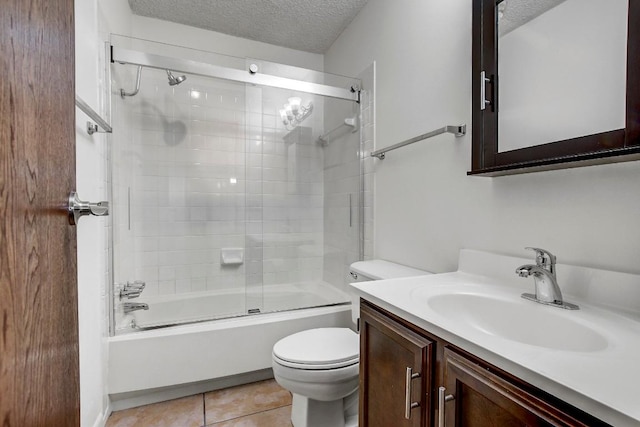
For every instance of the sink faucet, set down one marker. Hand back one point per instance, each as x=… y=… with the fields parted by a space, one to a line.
x=544 y=276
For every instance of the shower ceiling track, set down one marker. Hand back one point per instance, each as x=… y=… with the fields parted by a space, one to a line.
x=133 y=57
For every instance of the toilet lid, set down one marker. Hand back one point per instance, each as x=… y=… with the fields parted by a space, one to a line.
x=324 y=347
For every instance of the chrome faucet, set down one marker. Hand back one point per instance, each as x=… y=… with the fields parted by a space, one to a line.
x=134 y=306
x=544 y=276
x=132 y=290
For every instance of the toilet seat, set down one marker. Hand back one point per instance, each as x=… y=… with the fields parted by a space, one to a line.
x=318 y=349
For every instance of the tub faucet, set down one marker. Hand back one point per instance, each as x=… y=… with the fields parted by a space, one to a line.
x=544 y=276
x=134 y=306
x=132 y=289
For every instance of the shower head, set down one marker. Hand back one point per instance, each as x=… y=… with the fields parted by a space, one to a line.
x=173 y=80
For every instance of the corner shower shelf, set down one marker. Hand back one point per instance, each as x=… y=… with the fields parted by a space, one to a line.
x=349 y=122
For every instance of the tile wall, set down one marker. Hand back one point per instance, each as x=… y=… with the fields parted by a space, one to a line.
x=188 y=190
x=181 y=195
x=208 y=165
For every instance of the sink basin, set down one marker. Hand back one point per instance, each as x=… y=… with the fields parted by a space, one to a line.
x=516 y=319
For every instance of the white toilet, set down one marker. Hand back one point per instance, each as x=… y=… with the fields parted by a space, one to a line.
x=320 y=366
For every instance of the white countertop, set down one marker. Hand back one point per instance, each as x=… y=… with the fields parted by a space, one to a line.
x=602 y=382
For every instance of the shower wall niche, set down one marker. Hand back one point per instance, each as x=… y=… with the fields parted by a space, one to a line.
x=218 y=206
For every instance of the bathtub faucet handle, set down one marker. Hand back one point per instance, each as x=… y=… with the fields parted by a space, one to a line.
x=132 y=289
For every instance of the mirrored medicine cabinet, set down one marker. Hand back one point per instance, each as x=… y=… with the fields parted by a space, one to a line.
x=556 y=84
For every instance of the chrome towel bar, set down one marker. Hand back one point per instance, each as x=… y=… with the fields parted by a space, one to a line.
x=92 y=127
x=459 y=130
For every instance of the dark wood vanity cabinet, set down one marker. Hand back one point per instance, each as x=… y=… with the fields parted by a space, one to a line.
x=484 y=398
x=396 y=366
x=480 y=393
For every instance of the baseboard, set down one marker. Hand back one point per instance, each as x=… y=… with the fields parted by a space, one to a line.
x=101 y=421
x=133 y=399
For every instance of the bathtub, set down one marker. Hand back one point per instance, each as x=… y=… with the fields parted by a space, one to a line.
x=169 y=310
x=216 y=349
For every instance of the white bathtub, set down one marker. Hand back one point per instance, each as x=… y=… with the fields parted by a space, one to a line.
x=184 y=354
x=200 y=306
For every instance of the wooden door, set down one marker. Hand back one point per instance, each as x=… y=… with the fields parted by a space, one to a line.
x=483 y=399
x=387 y=349
x=39 y=383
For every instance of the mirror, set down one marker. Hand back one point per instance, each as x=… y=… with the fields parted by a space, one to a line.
x=554 y=84
x=544 y=49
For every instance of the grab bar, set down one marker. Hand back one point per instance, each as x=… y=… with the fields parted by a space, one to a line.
x=350 y=121
x=459 y=130
x=92 y=127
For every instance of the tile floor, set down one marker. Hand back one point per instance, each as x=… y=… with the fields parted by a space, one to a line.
x=261 y=404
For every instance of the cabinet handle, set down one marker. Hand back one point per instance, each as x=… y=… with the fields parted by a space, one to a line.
x=408 y=404
x=442 y=399
x=483 y=90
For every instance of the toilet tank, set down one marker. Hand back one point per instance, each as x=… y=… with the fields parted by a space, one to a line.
x=377 y=269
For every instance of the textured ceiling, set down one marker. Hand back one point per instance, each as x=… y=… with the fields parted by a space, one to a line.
x=308 y=25
x=519 y=12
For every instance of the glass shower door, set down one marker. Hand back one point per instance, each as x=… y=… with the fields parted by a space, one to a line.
x=179 y=192
x=303 y=193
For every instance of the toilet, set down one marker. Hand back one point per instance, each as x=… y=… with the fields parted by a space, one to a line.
x=320 y=366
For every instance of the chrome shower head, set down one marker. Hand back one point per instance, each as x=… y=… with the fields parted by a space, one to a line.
x=173 y=80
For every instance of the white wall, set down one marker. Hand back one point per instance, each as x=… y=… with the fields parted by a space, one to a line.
x=92 y=24
x=426 y=206
x=196 y=38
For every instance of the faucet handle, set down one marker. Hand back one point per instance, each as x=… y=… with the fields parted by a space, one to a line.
x=131 y=290
x=544 y=258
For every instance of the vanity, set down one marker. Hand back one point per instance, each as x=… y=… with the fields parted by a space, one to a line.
x=465 y=349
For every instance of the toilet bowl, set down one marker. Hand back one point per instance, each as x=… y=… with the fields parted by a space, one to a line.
x=320 y=366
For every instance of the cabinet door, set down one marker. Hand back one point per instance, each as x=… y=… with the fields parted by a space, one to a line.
x=481 y=398
x=395 y=373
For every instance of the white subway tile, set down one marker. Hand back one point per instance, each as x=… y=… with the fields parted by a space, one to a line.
x=183 y=285
x=166 y=287
x=166 y=273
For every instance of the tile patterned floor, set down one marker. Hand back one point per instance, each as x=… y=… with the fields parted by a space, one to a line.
x=261 y=404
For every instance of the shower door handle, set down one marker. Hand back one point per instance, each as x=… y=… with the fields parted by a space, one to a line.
x=78 y=208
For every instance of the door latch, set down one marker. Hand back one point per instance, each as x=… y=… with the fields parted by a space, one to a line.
x=78 y=208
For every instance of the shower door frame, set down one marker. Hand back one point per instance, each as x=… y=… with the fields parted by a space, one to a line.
x=202 y=69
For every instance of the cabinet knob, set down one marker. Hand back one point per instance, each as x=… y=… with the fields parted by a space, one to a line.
x=408 y=404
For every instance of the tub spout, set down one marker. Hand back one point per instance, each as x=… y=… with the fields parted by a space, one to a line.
x=134 y=306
